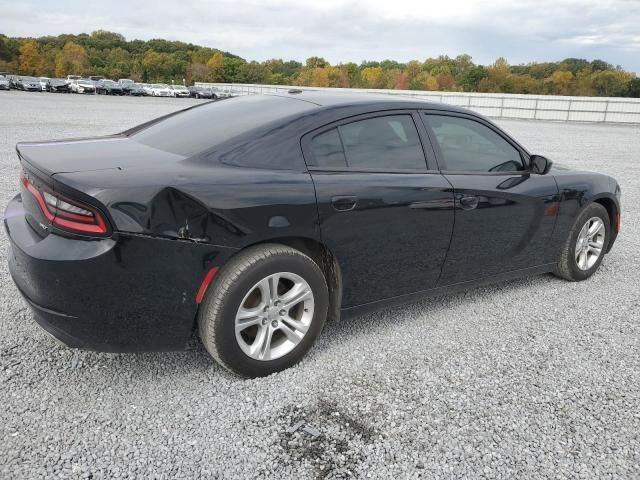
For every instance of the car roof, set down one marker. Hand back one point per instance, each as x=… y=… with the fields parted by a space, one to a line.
x=344 y=99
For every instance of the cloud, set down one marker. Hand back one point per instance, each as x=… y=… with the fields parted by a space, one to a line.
x=342 y=30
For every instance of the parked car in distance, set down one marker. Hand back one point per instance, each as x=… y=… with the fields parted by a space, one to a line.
x=58 y=85
x=13 y=79
x=161 y=90
x=135 y=90
x=108 y=87
x=179 y=90
x=226 y=92
x=272 y=213
x=126 y=85
x=73 y=77
x=4 y=83
x=28 y=84
x=43 y=83
x=83 y=86
x=200 y=92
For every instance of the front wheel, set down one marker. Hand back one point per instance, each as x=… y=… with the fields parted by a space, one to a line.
x=586 y=245
x=264 y=310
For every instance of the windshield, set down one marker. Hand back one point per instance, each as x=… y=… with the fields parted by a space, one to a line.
x=210 y=124
x=109 y=82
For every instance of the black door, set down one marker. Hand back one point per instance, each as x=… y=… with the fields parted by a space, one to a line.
x=504 y=215
x=382 y=212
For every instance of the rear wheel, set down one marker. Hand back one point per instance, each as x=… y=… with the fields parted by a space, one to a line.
x=264 y=310
x=584 y=249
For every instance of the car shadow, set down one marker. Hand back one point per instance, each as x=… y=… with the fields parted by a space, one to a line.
x=80 y=365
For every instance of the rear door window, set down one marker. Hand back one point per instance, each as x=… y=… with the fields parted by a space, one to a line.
x=387 y=142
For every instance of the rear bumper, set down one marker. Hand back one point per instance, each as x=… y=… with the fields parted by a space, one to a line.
x=128 y=293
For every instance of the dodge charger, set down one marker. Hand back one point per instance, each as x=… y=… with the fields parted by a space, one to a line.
x=271 y=214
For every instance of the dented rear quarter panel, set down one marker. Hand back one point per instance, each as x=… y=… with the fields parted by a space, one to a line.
x=212 y=203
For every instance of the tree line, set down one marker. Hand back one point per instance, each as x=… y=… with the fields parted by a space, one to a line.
x=161 y=61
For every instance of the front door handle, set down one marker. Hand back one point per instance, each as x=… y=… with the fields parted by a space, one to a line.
x=344 y=203
x=468 y=202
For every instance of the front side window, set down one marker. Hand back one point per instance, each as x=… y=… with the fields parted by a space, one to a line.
x=469 y=146
x=388 y=142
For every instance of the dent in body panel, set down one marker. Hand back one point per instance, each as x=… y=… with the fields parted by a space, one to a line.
x=213 y=203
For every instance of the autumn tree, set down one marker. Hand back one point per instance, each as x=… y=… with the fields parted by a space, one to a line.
x=197 y=72
x=216 y=67
x=72 y=60
x=157 y=65
x=30 y=61
x=559 y=83
x=373 y=77
x=158 y=60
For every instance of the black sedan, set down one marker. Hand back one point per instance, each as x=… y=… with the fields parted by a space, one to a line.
x=108 y=87
x=58 y=85
x=135 y=90
x=270 y=214
x=201 y=92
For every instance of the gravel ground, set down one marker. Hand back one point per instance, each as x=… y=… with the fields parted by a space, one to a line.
x=536 y=378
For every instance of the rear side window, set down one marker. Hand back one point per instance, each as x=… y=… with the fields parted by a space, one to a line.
x=327 y=151
x=197 y=129
x=387 y=142
x=469 y=146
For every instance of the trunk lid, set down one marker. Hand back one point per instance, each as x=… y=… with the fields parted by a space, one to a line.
x=90 y=154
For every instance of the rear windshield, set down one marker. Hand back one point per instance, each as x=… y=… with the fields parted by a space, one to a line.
x=200 y=128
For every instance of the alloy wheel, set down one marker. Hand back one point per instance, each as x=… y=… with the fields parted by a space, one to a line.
x=590 y=243
x=274 y=316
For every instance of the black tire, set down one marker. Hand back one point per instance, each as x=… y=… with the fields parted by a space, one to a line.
x=567 y=267
x=216 y=317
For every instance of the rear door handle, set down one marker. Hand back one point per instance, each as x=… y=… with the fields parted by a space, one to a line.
x=468 y=202
x=344 y=203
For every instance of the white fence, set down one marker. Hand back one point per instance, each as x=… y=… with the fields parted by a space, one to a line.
x=496 y=105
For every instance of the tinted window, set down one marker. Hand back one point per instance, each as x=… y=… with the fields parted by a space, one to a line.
x=200 y=128
x=388 y=142
x=467 y=145
x=326 y=150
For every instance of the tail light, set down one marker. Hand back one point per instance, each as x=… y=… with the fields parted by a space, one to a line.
x=67 y=214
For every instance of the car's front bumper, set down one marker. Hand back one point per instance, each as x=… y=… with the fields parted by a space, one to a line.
x=120 y=294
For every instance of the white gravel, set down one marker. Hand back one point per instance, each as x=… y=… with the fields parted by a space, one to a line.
x=536 y=378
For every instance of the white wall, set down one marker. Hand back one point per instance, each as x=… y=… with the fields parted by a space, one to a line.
x=498 y=105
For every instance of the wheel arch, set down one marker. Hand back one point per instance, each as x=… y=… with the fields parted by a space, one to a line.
x=613 y=210
x=324 y=258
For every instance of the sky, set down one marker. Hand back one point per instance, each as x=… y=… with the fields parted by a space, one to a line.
x=343 y=31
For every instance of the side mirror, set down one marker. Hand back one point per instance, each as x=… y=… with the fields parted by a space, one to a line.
x=539 y=164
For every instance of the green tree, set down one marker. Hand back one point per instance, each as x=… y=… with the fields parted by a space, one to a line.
x=472 y=78
x=633 y=88
x=316 y=62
